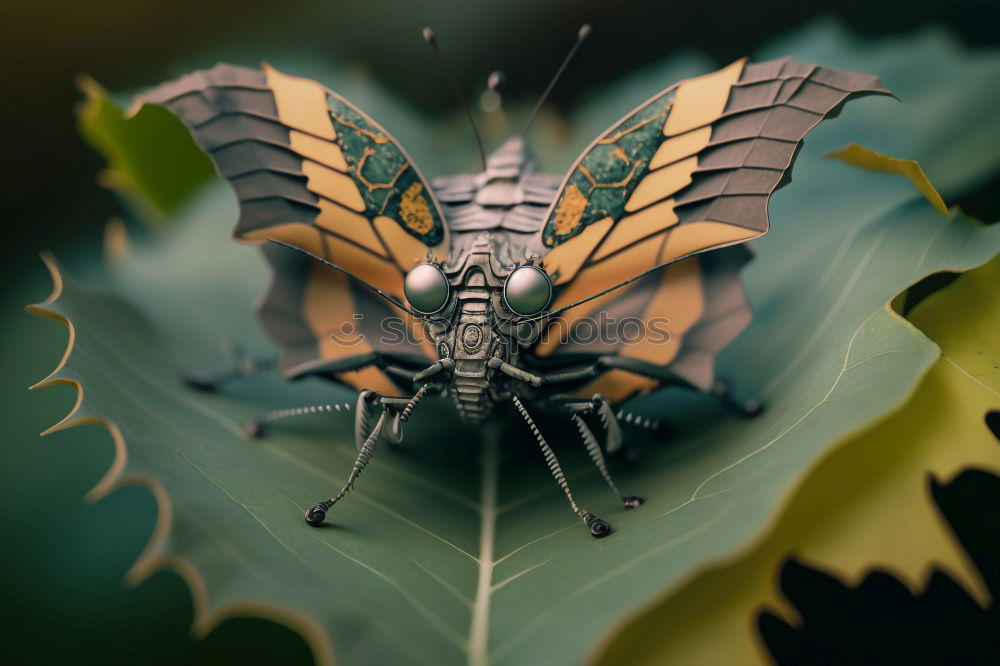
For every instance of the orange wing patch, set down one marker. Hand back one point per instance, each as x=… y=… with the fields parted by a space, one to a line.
x=678 y=303
x=611 y=271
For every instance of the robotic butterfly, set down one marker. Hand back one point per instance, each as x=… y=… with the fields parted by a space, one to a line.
x=485 y=287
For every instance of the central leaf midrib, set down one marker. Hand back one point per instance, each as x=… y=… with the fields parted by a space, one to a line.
x=480 y=621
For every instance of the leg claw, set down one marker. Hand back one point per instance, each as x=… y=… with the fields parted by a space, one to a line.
x=316 y=515
x=598 y=528
x=199 y=382
x=254 y=428
x=633 y=501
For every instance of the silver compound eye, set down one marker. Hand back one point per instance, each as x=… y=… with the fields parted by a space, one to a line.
x=426 y=288
x=527 y=290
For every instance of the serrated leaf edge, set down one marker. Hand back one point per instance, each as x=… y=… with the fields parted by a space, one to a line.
x=152 y=559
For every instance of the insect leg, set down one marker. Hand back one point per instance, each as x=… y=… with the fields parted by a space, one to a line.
x=628 y=419
x=572 y=374
x=368 y=403
x=398 y=410
x=362 y=416
x=516 y=373
x=598 y=528
x=256 y=427
x=612 y=431
x=594 y=449
x=394 y=429
x=433 y=369
x=611 y=421
x=317 y=514
x=723 y=390
x=414 y=401
x=245 y=366
x=639 y=421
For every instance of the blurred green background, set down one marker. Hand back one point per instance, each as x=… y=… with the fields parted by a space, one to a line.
x=48 y=173
x=61 y=562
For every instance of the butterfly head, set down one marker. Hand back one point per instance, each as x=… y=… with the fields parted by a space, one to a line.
x=482 y=307
x=489 y=301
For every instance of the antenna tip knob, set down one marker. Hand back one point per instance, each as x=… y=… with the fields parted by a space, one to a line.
x=495 y=80
x=429 y=35
x=584 y=31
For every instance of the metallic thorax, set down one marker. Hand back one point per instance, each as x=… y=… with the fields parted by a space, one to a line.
x=493 y=217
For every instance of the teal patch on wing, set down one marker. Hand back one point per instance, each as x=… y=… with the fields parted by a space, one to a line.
x=387 y=181
x=606 y=176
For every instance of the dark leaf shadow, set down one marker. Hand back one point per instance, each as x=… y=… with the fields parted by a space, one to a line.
x=880 y=621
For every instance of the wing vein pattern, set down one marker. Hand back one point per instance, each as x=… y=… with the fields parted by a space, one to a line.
x=311 y=170
x=688 y=172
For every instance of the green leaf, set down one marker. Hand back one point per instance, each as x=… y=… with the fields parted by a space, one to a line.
x=155 y=187
x=866 y=505
x=457 y=550
x=467 y=552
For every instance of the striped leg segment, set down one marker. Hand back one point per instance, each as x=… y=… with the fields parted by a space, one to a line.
x=316 y=515
x=255 y=427
x=638 y=420
x=646 y=424
x=598 y=528
x=393 y=413
x=369 y=403
x=363 y=416
x=394 y=427
x=612 y=431
x=594 y=449
x=414 y=401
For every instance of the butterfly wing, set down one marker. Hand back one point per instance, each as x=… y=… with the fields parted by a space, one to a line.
x=311 y=170
x=689 y=171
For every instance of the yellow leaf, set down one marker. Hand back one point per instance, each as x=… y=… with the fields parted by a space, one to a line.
x=866 y=158
x=866 y=505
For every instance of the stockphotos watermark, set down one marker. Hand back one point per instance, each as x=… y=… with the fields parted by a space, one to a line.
x=600 y=330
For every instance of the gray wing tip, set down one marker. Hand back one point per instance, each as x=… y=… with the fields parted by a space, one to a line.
x=880 y=89
x=788 y=66
x=220 y=75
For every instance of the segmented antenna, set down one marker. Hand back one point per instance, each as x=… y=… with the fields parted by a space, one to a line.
x=580 y=36
x=432 y=40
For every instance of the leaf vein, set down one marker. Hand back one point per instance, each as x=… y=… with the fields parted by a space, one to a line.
x=299 y=462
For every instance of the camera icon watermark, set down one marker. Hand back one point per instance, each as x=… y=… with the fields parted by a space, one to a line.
x=349 y=333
